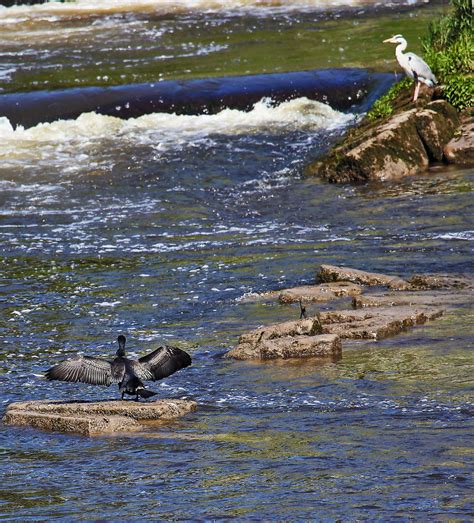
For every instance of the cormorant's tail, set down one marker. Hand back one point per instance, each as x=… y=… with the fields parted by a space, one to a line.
x=144 y=393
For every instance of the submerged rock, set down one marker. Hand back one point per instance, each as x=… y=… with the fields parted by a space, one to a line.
x=89 y=418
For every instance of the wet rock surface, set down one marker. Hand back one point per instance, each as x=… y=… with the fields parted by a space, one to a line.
x=90 y=418
x=403 y=304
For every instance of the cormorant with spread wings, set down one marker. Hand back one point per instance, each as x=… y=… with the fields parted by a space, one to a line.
x=129 y=374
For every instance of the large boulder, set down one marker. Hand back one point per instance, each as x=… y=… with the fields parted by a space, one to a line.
x=400 y=146
x=436 y=125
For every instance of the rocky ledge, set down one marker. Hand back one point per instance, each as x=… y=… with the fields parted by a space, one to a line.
x=402 y=145
x=94 y=418
x=400 y=304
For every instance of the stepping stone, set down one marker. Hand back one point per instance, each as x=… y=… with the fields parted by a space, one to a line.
x=89 y=418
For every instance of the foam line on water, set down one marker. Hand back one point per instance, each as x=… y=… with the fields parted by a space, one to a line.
x=20 y=14
x=164 y=130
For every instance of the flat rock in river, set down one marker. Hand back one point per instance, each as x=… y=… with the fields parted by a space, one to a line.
x=331 y=273
x=319 y=293
x=375 y=323
x=288 y=347
x=307 y=327
x=89 y=418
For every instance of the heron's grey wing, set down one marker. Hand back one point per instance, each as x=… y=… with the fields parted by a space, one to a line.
x=420 y=67
x=161 y=363
x=85 y=369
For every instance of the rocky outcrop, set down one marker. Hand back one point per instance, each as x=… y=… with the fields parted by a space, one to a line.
x=438 y=281
x=91 y=418
x=460 y=149
x=435 y=126
x=404 y=304
x=291 y=339
x=401 y=146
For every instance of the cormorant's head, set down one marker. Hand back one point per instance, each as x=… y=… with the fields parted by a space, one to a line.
x=121 y=342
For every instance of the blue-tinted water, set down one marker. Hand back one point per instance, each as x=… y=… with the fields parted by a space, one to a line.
x=157 y=229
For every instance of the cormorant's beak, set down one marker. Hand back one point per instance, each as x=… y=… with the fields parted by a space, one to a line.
x=388 y=41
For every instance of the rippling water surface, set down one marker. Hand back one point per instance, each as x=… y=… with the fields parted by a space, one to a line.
x=157 y=227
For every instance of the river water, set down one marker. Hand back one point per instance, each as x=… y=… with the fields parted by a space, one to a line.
x=158 y=227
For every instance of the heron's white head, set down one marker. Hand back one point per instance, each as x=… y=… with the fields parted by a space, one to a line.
x=395 y=39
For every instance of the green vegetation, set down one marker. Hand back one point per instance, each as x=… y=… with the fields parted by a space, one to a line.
x=383 y=107
x=449 y=50
x=459 y=90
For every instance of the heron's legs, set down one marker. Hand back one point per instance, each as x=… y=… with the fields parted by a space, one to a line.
x=417 y=89
x=123 y=394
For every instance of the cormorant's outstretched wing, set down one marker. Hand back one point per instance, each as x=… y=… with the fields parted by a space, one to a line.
x=85 y=369
x=161 y=363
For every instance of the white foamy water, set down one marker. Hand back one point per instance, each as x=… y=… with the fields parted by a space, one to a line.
x=21 y=14
x=162 y=131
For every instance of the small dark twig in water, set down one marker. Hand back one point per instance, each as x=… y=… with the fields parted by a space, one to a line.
x=303 y=314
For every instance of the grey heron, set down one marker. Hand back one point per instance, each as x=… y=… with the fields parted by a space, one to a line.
x=127 y=373
x=414 y=66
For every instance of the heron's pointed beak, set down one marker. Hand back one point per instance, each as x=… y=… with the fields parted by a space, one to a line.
x=388 y=41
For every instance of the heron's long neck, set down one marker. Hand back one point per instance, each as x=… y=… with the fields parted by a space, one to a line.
x=400 y=48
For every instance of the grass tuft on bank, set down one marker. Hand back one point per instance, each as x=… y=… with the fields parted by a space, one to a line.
x=383 y=107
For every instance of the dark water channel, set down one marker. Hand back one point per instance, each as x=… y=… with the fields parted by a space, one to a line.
x=157 y=228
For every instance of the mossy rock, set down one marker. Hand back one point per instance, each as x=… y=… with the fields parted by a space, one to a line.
x=399 y=146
